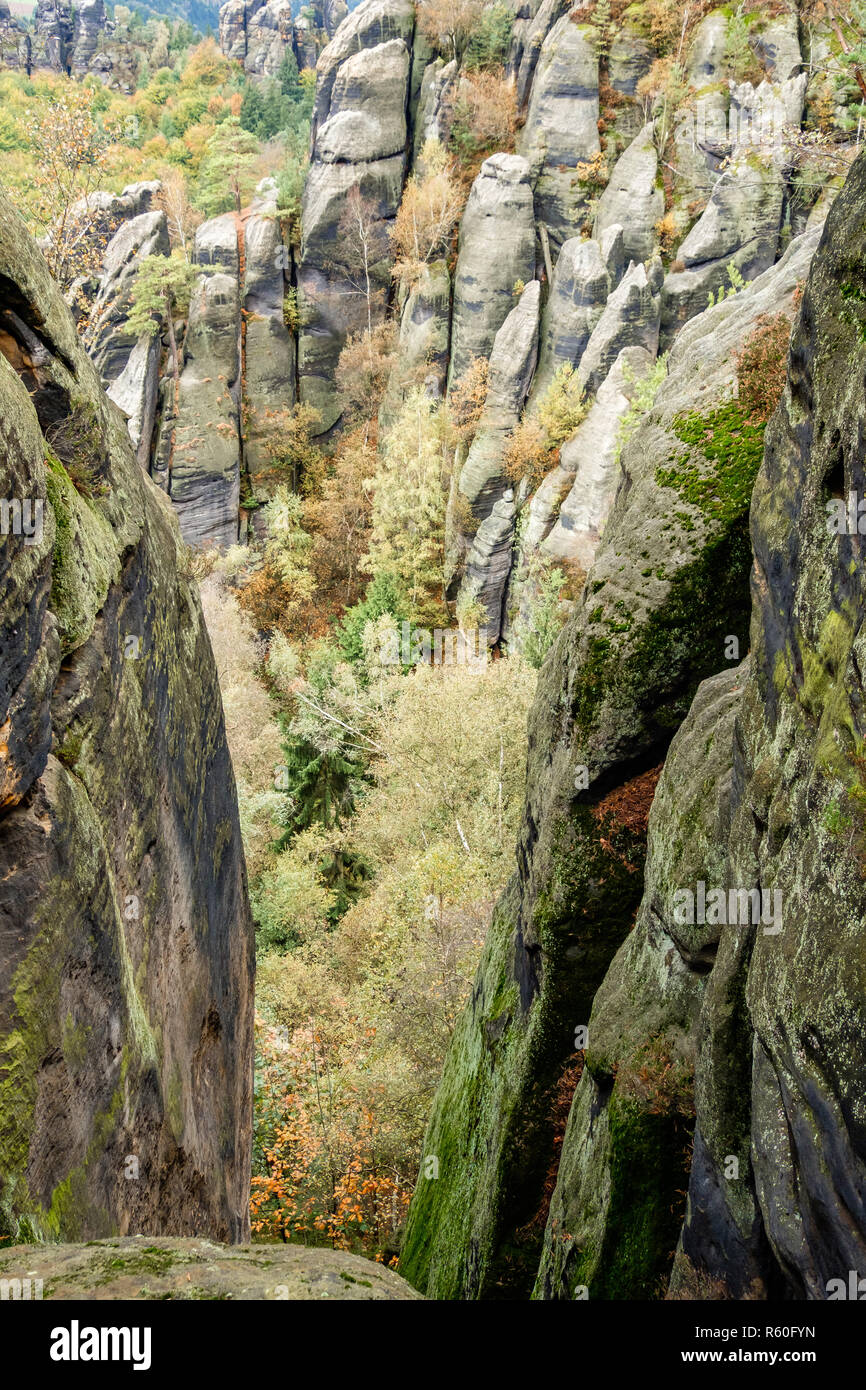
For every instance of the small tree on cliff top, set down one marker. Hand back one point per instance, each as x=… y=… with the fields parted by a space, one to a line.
x=161 y=292
x=226 y=177
x=450 y=24
x=70 y=146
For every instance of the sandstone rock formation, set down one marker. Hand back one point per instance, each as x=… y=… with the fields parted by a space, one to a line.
x=125 y=983
x=668 y=586
x=498 y=213
x=147 y=1268
x=777 y=1076
x=633 y=199
x=578 y=293
x=269 y=347
x=129 y=366
x=204 y=480
x=257 y=33
x=355 y=181
x=561 y=130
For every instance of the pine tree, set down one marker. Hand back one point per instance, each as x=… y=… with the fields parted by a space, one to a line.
x=227 y=170
x=161 y=292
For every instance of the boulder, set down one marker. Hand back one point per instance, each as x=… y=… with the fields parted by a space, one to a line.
x=184 y=1268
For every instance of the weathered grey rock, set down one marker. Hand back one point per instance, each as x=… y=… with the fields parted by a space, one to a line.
x=334 y=12
x=512 y=363
x=591 y=458
x=204 y=482
x=612 y=242
x=331 y=293
x=561 y=129
x=269 y=377
x=705 y=63
x=578 y=293
x=781 y=1054
x=630 y=318
x=669 y=584
x=257 y=33
x=760 y=117
x=80 y=41
x=498 y=214
x=305 y=42
x=103 y=213
x=631 y=55
x=168 y=1268
x=108 y=342
x=740 y=226
x=370 y=24
x=136 y=391
x=216 y=244
x=436 y=87
x=54 y=35
x=776 y=42
x=358 y=143
x=529 y=36
x=489 y=565
x=15 y=43
x=126 y=1007
x=129 y=366
x=232 y=29
x=367 y=114
x=632 y=198
x=89 y=22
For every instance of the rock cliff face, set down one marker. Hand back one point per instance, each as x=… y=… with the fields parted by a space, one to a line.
x=640 y=232
x=717 y=1050
x=259 y=33
x=780 y=1052
x=125 y=984
x=78 y=40
x=650 y=625
x=359 y=158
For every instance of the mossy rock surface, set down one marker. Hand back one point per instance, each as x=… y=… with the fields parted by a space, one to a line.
x=189 y=1269
x=782 y=1063
x=127 y=961
x=669 y=588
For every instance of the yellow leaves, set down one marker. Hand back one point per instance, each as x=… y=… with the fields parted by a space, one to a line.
x=427 y=214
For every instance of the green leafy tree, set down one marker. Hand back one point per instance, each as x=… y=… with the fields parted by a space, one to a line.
x=160 y=293
x=326 y=748
x=384 y=595
x=227 y=176
x=407 y=537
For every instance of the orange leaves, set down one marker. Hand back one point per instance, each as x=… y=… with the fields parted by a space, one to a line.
x=324 y=1175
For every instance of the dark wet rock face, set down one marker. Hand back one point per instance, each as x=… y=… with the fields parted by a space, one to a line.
x=126 y=977
x=781 y=1062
